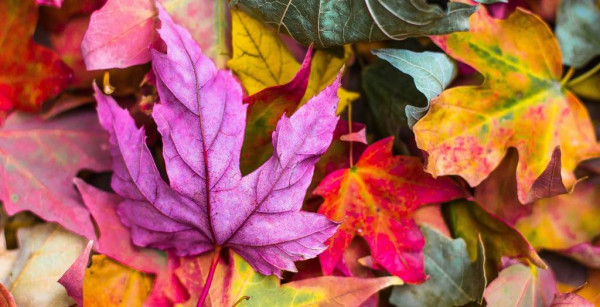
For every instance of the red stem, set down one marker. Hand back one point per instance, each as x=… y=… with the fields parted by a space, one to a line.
x=211 y=274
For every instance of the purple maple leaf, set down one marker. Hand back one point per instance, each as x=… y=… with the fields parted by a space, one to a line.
x=207 y=204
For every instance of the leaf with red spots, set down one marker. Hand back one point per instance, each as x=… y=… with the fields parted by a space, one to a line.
x=376 y=199
x=29 y=72
x=521 y=104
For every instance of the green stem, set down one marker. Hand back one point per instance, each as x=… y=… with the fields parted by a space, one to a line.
x=567 y=76
x=585 y=76
x=350 y=131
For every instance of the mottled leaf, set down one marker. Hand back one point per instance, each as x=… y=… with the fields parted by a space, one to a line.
x=469 y=221
x=375 y=199
x=262 y=60
x=32 y=280
x=207 y=202
x=521 y=104
x=565 y=220
x=115 y=241
x=521 y=286
x=264 y=110
x=327 y=23
x=570 y=300
x=29 y=72
x=432 y=72
x=238 y=280
x=577 y=31
x=453 y=279
x=39 y=159
x=108 y=283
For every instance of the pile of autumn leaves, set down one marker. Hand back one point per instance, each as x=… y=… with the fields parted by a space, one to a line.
x=188 y=183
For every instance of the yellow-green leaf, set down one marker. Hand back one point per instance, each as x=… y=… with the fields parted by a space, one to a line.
x=109 y=283
x=237 y=280
x=521 y=104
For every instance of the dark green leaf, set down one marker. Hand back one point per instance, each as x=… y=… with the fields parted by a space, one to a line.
x=333 y=23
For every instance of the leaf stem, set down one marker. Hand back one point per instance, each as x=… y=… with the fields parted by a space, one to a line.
x=585 y=76
x=245 y=297
x=211 y=274
x=350 y=131
x=567 y=76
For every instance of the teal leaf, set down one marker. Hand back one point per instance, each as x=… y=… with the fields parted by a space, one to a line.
x=388 y=92
x=432 y=72
x=578 y=31
x=453 y=279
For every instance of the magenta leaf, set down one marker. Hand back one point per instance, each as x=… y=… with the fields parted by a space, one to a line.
x=39 y=159
x=72 y=279
x=201 y=119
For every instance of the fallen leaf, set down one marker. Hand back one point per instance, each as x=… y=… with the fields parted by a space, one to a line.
x=389 y=92
x=327 y=24
x=375 y=199
x=6 y=298
x=249 y=209
x=108 y=283
x=431 y=216
x=521 y=104
x=432 y=72
x=261 y=60
x=67 y=44
x=584 y=253
x=63 y=103
x=570 y=300
x=72 y=279
x=115 y=241
x=453 y=279
x=39 y=246
x=39 y=160
x=586 y=88
x=497 y=194
x=521 y=286
x=468 y=221
x=41 y=73
x=563 y=221
x=120 y=34
x=358 y=136
x=264 y=110
x=577 y=31
x=239 y=282
x=337 y=157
